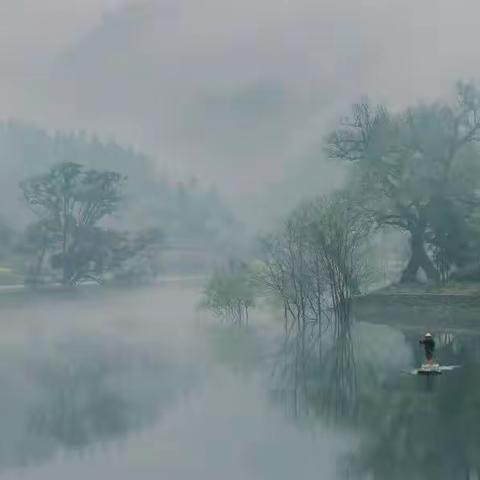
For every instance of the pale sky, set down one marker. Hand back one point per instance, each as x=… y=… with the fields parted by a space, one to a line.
x=237 y=92
x=33 y=27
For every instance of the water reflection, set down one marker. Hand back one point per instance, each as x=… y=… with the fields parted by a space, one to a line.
x=81 y=391
x=325 y=385
x=426 y=427
x=225 y=428
x=341 y=399
x=410 y=427
x=116 y=393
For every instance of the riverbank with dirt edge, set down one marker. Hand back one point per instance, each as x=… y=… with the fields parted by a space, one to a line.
x=421 y=307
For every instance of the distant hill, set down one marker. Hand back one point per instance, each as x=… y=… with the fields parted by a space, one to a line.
x=150 y=74
x=187 y=213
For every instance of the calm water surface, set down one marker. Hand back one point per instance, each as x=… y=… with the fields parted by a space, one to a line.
x=142 y=386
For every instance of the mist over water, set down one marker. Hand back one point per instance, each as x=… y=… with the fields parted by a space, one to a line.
x=135 y=386
x=143 y=385
x=197 y=198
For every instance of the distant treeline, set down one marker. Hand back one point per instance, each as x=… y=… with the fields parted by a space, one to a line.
x=186 y=214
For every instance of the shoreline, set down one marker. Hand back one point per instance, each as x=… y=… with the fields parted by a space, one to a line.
x=446 y=310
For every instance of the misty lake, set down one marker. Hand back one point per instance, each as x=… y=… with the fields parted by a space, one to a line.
x=142 y=385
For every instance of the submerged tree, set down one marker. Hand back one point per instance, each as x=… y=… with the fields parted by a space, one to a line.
x=292 y=273
x=410 y=162
x=313 y=265
x=339 y=235
x=230 y=293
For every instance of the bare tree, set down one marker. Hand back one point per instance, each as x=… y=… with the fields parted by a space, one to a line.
x=292 y=273
x=312 y=264
x=339 y=233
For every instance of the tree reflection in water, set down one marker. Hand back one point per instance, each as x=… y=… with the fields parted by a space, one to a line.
x=80 y=402
x=80 y=392
x=425 y=427
x=324 y=385
x=410 y=427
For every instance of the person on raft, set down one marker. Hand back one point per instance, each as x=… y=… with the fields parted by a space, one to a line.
x=429 y=344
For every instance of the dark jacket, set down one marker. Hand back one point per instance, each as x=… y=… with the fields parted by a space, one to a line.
x=429 y=345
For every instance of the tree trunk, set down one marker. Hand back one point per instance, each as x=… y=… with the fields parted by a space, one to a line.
x=64 y=244
x=39 y=264
x=419 y=258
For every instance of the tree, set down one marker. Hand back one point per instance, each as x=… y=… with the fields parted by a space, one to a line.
x=292 y=272
x=408 y=163
x=338 y=233
x=314 y=261
x=71 y=201
x=35 y=243
x=134 y=258
x=450 y=237
x=313 y=264
x=230 y=293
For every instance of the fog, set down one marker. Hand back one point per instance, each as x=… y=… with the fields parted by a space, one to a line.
x=143 y=384
x=137 y=386
x=237 y=93
x=225 y=225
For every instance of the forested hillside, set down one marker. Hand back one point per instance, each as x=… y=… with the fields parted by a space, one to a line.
x=185 y=211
